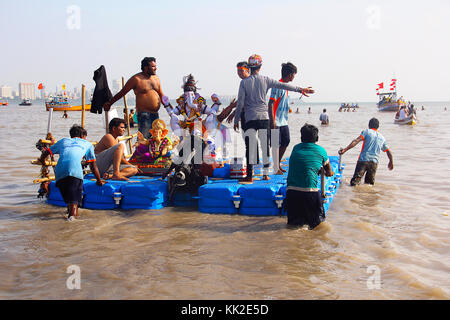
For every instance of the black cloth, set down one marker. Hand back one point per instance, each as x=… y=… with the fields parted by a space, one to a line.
x=71 y=189
x=257 y=125
x=304 y=208
x=102 y=93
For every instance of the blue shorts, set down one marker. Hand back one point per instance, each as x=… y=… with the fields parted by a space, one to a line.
x=71 y=189
x=285 y=136
x=145 y=120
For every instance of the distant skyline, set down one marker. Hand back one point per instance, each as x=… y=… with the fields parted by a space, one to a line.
x=342 y=48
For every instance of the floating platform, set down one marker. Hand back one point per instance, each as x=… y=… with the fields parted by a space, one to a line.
x=219 y=196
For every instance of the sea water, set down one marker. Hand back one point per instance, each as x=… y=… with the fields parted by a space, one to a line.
x=387 y=241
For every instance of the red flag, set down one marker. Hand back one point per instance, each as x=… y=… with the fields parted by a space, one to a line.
x=381 y=85
x=40 y=86
x=394 y=80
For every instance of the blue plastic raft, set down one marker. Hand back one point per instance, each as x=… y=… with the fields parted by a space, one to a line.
x=218 y=196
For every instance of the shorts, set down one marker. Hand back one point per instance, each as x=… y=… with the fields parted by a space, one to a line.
x=105 y=161
x=285 y=136
x=304 y=208
x=71 y=189
x=368 y=168
x=145 y=121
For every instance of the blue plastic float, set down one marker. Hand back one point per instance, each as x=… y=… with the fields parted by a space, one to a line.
x=220 y=195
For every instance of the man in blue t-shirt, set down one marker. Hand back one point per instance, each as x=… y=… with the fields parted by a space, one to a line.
x=68 y=171
x=303 y=199
x=279 y=113
x=373 y=144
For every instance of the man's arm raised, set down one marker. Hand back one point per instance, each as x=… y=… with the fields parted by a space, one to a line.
x=131 y=84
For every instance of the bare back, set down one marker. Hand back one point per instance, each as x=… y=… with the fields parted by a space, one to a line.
x=105 y=143
x=148 y=92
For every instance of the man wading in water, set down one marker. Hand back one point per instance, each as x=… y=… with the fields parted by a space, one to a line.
x=147 y=88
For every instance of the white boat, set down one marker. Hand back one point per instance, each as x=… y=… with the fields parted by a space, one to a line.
x=410 y=120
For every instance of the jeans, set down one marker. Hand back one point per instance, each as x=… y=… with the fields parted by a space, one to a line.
x=254 y=129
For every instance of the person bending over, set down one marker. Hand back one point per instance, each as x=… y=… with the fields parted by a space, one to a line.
x=303 y=198
x=68 y=170
x=367 y=164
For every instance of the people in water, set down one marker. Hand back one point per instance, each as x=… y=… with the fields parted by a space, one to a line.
x=303 y=199
x=252 y=101
x=324 y=117
x=147 y=87
x=309 y=110
x=68 y=170
x=65 y=115
x=373 y=144
x=111 y=161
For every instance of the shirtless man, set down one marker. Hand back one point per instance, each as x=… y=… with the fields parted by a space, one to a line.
x=147 y=88
x=109 y=152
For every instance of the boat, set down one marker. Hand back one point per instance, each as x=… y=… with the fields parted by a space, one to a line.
x=221 y=194
x=25 y=102
x=411 y=120
x=389 y=102
x=3 y=103
x=348 y=106
x=61 y=103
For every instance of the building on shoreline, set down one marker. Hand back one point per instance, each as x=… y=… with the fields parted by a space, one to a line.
x=27 y=91
x=6 y=92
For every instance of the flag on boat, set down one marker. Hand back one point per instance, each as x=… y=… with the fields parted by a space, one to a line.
x=393 y=84
x=64 y=87
x=40 y=86
x=380 y=86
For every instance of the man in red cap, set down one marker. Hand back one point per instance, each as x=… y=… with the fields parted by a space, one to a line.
x=252 y=101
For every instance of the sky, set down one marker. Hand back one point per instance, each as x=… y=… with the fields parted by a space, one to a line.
x=342 y=48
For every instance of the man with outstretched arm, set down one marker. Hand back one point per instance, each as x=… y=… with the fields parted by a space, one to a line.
x=367 y=164
x=147 y=88
x=252 y=101
x=278 y=115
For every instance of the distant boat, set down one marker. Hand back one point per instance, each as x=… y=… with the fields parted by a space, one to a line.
x=61 y=103
x=411 y=120
x=3 y=103
x=25 y=102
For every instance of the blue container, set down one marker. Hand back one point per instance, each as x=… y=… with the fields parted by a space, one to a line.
x=184 y=199
x=218 y=197
x=96 y=197
x=260 y=198
x=145 y=194
x=55 y=198
x=223 y=172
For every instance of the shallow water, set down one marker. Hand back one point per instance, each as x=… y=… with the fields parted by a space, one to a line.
x=399 y=227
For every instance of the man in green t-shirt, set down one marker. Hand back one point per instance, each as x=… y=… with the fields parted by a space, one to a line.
x=304 y=202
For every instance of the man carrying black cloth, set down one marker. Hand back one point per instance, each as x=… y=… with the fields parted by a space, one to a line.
x=304 y=201
x=68 y=171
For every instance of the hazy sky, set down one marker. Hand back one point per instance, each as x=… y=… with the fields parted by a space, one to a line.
x=342 y=48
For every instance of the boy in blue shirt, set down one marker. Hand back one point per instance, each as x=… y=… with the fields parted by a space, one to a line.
x=367 y=164
x=303 y=199
x=68 y=171
x=279 y=113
